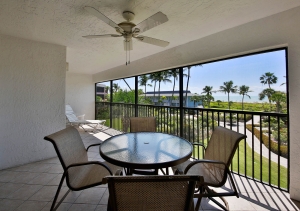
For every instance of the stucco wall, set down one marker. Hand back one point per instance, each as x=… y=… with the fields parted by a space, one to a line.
x=80 y=94
x=267 y=33
x=32 y=96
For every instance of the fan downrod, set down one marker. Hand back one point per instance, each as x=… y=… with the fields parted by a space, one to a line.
x=127 y=15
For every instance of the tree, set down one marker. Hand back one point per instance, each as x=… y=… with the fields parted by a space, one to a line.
x=187 y=84
x=195 y=98
x=175 y=74
x=116 y=87
x=227 y=88
x=207 y=90
x=266 y=92
x=162 y=77
x=219 y=101
x=278 y=97
x=243 y=90
x=153 y=77
x=143 y=82
x=268 y=78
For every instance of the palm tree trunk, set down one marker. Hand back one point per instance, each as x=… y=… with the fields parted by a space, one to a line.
x=172 y=92
x=228 y=102
x=154 y=93
x=187 y=85
x=243 y=103
x=159 y=92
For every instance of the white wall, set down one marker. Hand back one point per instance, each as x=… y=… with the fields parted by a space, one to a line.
x=32 y=97
x=277 y=30
x=80 y=94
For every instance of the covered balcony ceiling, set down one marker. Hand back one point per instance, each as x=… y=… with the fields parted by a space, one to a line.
x=64 y=22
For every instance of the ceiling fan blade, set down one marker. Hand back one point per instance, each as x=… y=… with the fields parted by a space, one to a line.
x=102 y=17
x=151 y=22
x=152 y=41
x=101 y=36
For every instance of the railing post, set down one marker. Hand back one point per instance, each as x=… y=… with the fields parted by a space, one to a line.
x=136 y=96
x=181 y=100
x=110 y=100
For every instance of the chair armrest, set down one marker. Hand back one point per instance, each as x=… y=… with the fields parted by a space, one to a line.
x=199 y=144
x=90 y=163
x=92 y=145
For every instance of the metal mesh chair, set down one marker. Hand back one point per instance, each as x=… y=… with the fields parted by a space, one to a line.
x=78 y=171
x=142 y=124
x=159 y=193
x=215 y=164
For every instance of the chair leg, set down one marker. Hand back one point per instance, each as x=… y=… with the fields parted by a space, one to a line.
x=57 y=193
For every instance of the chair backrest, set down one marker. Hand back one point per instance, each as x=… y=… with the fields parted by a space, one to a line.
x=142 y=124
x=222 y=145
x=68 y=146
x=158 y=193
x=70 y=114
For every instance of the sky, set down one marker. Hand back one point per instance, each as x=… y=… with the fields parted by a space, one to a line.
x=242 y=71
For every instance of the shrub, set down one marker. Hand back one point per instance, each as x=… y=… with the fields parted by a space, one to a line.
x=283 y=150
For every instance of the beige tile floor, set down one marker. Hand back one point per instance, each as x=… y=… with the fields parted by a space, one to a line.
x=32 y=187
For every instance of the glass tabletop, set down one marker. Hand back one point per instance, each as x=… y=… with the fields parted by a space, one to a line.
x=146 y=150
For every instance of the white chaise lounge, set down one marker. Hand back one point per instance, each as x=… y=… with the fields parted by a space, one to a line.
x=80 y=121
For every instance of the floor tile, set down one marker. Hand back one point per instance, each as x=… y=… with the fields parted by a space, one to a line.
x=7 y=176
x=25 y=192
x=83 y=207
x=42 y=179
x=31 y=206
x=91 y=195
x=9 y=204
x=8 y=189
x=46 y=193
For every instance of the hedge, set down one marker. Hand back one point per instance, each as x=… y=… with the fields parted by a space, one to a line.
x=265 y=140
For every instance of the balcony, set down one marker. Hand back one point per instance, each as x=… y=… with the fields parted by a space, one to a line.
x=32 y=187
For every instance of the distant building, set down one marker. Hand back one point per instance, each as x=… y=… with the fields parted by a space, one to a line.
x=100 y=91
x=175 y=102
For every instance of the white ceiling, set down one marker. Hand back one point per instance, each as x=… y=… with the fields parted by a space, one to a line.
x=64 y=22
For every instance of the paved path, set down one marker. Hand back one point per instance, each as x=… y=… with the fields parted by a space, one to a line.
x=256 y=142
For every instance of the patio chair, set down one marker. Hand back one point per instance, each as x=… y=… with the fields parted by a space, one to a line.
x=143 y=124
x=79 y=121
x=78 y=171
x=215 y=165
x=157 y=193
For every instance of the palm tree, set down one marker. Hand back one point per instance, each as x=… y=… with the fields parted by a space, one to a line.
x=243 y=90
x=153 y=77
x=195 y=98
x=116 y=87
x=278 y=97
x=208 y=91
x=266 y=92
x=143 y=82
x=162 y=77
x=187 y=84
x=174 y=73
x=268 y=78
x=107 y=89
x=227 y=88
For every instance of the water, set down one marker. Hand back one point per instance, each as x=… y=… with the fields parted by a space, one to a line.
x=238 y=98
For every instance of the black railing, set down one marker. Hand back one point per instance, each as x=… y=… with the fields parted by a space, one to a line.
x=263 y=156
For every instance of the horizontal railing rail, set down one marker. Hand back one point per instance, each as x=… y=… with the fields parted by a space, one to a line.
x=263 y=155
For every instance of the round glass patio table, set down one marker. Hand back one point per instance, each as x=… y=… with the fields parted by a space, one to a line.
x=145 y=150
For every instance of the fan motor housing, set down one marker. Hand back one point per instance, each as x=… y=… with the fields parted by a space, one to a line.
x=127 y=26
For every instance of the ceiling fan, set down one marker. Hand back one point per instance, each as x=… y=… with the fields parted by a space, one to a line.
x=129 y=30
